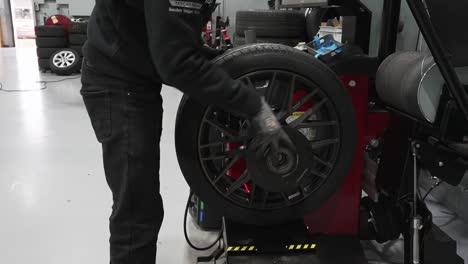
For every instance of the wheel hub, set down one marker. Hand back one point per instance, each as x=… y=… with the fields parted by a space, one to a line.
x=283 y=172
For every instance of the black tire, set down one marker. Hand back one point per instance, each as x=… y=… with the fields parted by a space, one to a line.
x=43 y=64
x=45 y=53
x=78 y=39
x=78 y=28
x=80 y=63
x=68 y=67
x=50 y=31
x=313 y=22
x=272 y=23
x=291 y=42
x=250 y=59
x=78 y=49
x=51 y=42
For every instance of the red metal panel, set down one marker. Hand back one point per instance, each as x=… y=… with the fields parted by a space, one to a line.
x=340 y=214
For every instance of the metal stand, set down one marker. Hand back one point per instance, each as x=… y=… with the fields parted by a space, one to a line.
x=289 y=243
x=417 y=224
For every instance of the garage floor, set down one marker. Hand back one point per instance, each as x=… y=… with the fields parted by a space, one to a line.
x=55 y=201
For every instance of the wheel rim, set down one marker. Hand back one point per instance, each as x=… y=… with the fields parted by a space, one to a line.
x=64 y=59
x=298 y=103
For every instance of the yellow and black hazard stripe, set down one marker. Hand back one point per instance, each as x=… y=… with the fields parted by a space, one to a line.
x=242 y=249
x=299 y=247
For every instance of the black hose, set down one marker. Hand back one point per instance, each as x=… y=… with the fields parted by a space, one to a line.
x=189 y=242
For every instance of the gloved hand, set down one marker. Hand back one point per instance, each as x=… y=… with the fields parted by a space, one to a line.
x=211 y=53
x=268 y=133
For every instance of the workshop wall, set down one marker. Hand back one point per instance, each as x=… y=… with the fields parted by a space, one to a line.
x=46 y=8
x=407 y=39
x=5 y=22
x=376 y=7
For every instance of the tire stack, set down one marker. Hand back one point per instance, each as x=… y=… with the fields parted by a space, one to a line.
x=78 y=36
x=49 y=39
x=287 y=27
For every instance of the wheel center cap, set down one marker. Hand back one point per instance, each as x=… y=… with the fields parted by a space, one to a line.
x=285 y=171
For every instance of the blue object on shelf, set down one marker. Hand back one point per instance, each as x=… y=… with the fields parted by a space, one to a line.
x=326 y=45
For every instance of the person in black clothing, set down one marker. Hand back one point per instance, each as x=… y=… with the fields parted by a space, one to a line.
x=134 y=46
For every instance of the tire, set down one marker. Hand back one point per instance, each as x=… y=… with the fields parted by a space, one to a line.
x=51 y=42
x=78 y=49
x=250 y=59
x=313 y=21
x=43 y=64
x=64 y=62
x=80 y=63
x=46 y=53
x=78 y=28
x=50 y=31
x=272 y=23
x=78 y=39
x=291 y=42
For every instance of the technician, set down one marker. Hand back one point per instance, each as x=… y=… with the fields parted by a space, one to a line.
x=134 y=46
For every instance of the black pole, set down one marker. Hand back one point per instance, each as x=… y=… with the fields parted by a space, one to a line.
x=390 y=22
x=456 y=88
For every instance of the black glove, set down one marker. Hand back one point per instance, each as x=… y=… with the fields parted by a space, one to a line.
x=211 y=53
x=268 y=133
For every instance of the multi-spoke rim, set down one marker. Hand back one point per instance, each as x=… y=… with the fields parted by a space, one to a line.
x=298 y=103
x=64 y=59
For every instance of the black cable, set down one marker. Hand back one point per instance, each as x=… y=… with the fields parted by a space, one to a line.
x=186 y=233
x=44 y=85
x=437 y=184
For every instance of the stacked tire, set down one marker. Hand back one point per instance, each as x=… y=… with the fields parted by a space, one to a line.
x=49 y=39
x=78 y=36
x=68 y=61
x=287 y=27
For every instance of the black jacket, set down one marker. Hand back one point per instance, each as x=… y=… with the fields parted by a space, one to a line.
x=159 y=41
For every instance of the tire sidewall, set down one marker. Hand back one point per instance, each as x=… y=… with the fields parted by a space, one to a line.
x=238 y=63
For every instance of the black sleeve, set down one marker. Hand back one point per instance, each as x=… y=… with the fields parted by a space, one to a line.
x=174 y=29
x=211 y=53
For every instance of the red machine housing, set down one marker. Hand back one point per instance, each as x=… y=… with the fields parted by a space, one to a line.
x=340 y=214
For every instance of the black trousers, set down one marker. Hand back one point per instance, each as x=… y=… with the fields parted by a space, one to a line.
x=127 y=120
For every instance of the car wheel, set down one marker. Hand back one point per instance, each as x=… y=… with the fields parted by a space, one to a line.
x=65 y=62
x=312 y=105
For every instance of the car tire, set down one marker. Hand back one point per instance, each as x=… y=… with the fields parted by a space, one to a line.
x=78 y=28
x=65 y=62
x=313 y=21
x=78 y=49
x=51 y=42
x=45 y=53
x=291 y=42
x=243 y=61
x=272 y=23
x=43 y=64
x=78 y=39
x=50 y=31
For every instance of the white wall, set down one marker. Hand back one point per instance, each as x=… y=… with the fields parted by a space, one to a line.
x=66 y=7
x=407 y=40
x=376 y=7
x=80 y=7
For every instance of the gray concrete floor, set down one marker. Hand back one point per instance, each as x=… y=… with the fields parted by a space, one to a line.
x=54 y=199
x=55 y=202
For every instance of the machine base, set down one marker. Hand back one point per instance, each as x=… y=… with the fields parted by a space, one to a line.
x=289 y=243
